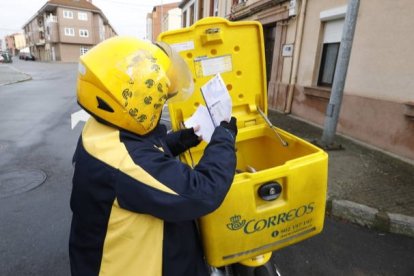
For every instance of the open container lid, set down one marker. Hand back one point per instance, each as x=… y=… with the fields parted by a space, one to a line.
x=233 y=49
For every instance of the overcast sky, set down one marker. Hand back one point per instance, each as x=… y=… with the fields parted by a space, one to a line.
x=127 y=17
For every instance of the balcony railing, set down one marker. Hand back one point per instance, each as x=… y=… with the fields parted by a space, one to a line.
x=40 y=42
x=238 y=6
x=51 y=19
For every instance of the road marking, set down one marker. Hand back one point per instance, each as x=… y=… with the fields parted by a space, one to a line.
x=79 y=116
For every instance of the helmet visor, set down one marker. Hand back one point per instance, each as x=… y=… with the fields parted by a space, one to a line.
x=181 y=80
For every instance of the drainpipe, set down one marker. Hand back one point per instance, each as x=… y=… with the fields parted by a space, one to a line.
x=296 y=55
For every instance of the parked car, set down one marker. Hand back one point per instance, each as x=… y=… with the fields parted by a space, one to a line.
x=26 y=56
x=6 y=58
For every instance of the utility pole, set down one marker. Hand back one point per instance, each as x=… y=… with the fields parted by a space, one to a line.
x=335 y=101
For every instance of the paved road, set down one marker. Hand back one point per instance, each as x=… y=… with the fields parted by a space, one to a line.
x=36 y=135
x=347 y=249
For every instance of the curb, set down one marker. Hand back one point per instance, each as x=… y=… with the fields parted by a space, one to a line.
x=22 y=77
x=371 y=217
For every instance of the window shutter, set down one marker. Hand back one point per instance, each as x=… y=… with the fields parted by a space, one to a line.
x=333 y=31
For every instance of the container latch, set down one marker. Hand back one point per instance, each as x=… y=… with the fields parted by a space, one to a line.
x=270 y=191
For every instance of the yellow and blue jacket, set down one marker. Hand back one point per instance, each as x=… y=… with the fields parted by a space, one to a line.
x=134 y=203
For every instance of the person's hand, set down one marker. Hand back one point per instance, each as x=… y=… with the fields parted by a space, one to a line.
x=188 y=137
x=232 y=125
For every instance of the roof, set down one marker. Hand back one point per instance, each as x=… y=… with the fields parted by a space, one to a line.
x=82 y=4
x=78 y=4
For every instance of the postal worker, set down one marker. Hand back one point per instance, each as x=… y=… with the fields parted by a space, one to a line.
x=134 y=203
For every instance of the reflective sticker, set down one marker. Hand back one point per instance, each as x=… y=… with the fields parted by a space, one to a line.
x=183 y=46
x=205 y=66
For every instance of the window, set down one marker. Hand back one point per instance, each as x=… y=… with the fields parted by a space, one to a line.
x=67 y=14
x=83 y=16
x=83 y=50
x=200 y=9
x=330 y=49
x=328 y=63
x=184 y=18
x=69 y=31
x=215 y=11
x=269 y=33
x=83 y=33
x=102 y=29
x=48 y=33
x=191 y=14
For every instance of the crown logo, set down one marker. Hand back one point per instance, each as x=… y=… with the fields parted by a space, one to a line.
x=236 y=223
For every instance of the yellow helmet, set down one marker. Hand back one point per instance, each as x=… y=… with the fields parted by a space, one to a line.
x=125 y=82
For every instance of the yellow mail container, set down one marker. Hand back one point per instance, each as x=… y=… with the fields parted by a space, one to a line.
x=278 y=196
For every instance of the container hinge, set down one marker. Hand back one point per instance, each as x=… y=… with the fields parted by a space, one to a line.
x=250 y=123
x=212 y=36
x=269 y=123
x=212 y=30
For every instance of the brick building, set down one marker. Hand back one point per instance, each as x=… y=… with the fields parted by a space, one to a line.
x=162 y=18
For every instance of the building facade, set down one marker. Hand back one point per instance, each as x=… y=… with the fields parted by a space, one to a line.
x=172 y=20
x=19 y=42
x=10 y=44
x=63 y=30
x=193 y=10
x=163 y=18
x=273 y=14
x=14 y=43
x=378 y=102
x=302 y=41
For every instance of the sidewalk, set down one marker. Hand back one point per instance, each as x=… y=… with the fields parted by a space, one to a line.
x=8 y=75
x=365 y=186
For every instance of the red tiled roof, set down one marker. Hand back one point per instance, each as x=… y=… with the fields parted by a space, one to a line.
x=83 y=4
